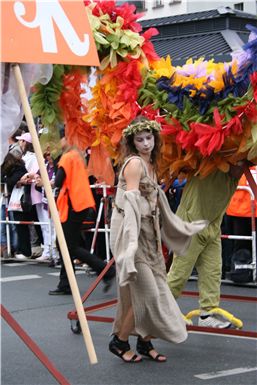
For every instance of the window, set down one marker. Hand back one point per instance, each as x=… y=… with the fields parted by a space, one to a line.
x=140 y=5
x=158 y=3
x=174 y=2
x=239 y=6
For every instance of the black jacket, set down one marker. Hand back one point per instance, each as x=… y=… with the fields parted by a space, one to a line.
x=13 y=176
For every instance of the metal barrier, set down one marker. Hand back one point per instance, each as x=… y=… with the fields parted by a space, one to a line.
x=252 y=237
x=103 y=208
x=4 y=197
x=8 y=222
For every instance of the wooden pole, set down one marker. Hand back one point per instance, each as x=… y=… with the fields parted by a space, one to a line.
x=55 y=216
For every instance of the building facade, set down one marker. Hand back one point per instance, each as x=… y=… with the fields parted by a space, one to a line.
x=162 y=8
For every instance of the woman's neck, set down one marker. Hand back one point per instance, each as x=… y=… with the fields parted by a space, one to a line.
x=146 y=158
x=149 y=166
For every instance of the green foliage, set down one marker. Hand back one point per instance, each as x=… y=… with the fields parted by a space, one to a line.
x=45 y=100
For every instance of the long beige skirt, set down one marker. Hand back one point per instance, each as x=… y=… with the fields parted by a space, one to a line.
x=156 y=312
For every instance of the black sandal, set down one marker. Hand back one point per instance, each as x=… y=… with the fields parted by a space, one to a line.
x=144 y=348
x=119 y=348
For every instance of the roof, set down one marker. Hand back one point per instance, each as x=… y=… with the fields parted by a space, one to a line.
x=210 y=34
x=180 y=49
x=196 y=16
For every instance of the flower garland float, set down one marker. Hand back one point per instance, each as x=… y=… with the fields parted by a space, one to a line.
x=207 y=110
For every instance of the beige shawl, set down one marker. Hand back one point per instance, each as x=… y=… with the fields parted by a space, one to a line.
x=125 y=229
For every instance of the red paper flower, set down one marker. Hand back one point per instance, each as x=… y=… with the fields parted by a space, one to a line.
x=171 y=128
x=249 y=110
x=187 y=139
x=102 y=7
x=150 y=113
x=210 y=138
x=127 y=12
x=234 y=126
x=148 y=46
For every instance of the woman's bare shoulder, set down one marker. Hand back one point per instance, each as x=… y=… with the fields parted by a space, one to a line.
x=133 y=167
x=134 y=161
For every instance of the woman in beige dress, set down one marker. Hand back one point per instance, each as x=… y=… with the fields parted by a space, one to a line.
x=146 y=307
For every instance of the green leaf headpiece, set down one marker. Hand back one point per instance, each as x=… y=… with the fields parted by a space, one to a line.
x=145 y=125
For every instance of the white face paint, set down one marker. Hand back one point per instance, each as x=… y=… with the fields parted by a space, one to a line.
x=144 y=142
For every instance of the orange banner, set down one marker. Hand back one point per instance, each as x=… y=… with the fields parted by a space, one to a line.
x=46 y=31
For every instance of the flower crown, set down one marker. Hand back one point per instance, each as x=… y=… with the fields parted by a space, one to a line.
x=145 y=125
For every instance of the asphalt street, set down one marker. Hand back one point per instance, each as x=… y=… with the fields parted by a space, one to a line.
x=204 y=359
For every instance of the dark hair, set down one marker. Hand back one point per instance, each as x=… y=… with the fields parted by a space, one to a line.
x=18 y=132
x=128 y=147
x=10 y=162
x=23 y=126
x=28 y=147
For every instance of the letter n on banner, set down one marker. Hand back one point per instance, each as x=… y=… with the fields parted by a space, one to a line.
x=47 y=31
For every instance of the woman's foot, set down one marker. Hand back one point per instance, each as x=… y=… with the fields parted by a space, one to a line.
x=122 y=349
x=146 y=349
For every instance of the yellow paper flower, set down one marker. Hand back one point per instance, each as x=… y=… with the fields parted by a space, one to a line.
x=163 y=67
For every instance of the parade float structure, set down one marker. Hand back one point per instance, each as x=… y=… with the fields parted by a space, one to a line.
x=207 y=110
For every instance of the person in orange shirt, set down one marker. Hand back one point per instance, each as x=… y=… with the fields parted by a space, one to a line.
x=74 y=199
x=239 y=213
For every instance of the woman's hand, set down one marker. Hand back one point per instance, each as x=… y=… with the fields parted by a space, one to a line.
x=38 y=181
x=26 y=179
x=51 y=183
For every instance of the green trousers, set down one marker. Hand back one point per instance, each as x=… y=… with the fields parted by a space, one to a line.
x=204 y=253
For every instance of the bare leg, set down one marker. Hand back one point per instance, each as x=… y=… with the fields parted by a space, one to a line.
x=127 y=325
x=126 y=328
x=125 y=331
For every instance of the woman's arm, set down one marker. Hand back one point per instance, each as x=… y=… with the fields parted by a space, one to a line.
x=60 y=177
x=15 y=176
x=132 y=174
